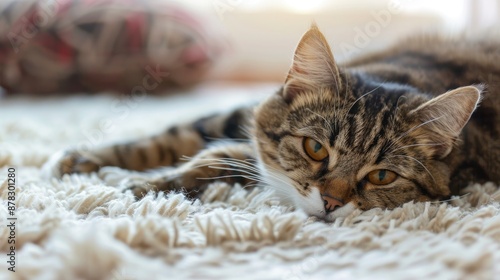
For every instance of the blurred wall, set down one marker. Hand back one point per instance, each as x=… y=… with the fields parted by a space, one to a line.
x=264 y=34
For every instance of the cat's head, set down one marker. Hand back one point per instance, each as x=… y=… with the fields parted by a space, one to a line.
x=331 y=141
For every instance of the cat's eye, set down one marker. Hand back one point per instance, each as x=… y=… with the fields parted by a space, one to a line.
x=314 y=149
x=381 y=177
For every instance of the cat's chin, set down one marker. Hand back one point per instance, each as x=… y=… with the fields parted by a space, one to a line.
x=312 y=205
x=341 y=212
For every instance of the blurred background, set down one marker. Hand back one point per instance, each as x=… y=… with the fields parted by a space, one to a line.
x=52 y=46
x=264 y=33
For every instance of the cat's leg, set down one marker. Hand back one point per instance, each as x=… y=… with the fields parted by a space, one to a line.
x=164 y=149
x=231 y=163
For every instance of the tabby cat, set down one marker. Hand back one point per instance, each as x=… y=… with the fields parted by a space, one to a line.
x=416 y=122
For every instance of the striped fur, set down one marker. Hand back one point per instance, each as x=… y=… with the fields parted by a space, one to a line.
x=412 y=109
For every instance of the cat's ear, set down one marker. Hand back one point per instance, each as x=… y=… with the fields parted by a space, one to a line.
x=443 y=117
x=313 y=65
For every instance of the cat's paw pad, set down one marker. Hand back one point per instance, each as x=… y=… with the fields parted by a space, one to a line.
x=68 y=162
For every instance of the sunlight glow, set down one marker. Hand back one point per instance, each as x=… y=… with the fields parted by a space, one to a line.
x=304 y=7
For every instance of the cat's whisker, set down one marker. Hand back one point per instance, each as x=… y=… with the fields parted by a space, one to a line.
x=234 y=169
x=273 y=180
x=329 y=125
x=397 y=102
x=238 y=169
x=241 y=140
x=246 y=161
x=419 y=162
x=415 y=145
x=231 y=162
x=359 y=98
x=252 y=185
x=451 y=199
x=262 y=141
x=245 y=171
x=284 y=195
x=247 y=131
x=274 y=175
x=312 y=130
x=416 y=127
x=226 y=177
x=249 y=175
x=185 y=158
x=247 y=168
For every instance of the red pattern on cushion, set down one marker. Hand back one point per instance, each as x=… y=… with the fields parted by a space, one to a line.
x=94 y=45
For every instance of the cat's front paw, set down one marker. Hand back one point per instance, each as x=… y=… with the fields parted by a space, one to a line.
x=138 y=187
x=68 y=162
x=127 y=180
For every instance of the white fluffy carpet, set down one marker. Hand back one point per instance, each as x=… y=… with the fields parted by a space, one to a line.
x=81 y=228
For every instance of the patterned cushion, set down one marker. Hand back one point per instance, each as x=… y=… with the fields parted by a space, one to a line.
x=131 y=46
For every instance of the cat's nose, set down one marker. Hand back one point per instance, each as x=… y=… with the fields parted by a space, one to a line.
x=331 y=203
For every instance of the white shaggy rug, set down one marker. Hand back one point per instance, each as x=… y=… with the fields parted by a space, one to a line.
x=81 y=228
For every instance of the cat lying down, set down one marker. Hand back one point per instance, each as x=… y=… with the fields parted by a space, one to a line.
x=416 y=122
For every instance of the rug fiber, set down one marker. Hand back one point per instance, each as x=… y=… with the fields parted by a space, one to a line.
x=80 y=227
